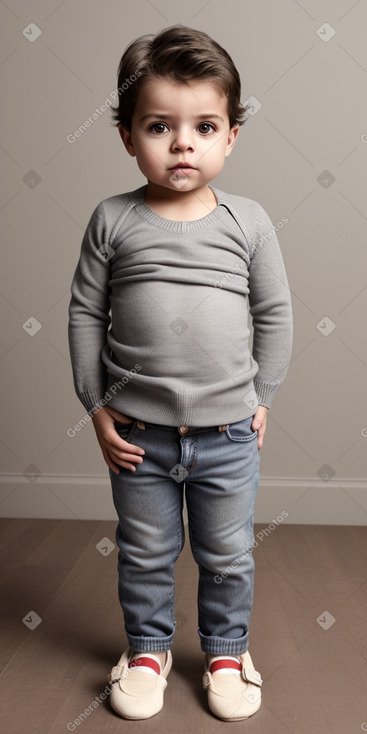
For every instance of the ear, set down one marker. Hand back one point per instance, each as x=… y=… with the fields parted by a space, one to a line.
x=232 y=137
x=126 y=139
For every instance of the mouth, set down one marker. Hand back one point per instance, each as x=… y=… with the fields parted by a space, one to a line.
x=182 y=167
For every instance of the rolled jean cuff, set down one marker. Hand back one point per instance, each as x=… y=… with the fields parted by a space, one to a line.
x=224 y=645
x=150 y=644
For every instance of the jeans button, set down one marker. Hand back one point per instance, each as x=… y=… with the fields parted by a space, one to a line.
x=183 y=430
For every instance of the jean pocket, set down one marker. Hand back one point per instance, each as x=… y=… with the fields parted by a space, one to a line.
x=125 y=430
x=241 y=431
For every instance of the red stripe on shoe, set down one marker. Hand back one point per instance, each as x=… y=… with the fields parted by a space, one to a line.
x=147 y=662
x=219 y=664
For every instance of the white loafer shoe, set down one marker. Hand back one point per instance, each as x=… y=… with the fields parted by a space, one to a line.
x=137 y=686
x=233 y=686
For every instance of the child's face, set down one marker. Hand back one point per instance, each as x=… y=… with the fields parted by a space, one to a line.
x=174 y=123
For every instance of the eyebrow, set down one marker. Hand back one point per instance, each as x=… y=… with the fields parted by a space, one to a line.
x=160 y=115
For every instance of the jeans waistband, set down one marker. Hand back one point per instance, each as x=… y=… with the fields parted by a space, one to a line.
x=182 y=430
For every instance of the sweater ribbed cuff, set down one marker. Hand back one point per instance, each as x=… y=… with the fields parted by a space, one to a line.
x=92 y=400
x=265 y=392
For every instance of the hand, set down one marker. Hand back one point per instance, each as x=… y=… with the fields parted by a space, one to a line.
x=115 y=450
x=259 y=424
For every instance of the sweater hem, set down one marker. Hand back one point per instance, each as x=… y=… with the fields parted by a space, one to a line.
x=199 y=413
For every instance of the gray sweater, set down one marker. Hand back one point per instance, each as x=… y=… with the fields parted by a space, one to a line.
x=159 y=311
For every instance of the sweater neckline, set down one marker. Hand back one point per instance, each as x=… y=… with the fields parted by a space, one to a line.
x=174 y=225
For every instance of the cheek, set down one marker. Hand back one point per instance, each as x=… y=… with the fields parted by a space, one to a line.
x=219 y=149
x=215 y=157
x=149 y=153
x=213 y=149
x=143 y=157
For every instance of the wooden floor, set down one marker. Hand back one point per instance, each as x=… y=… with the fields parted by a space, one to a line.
x=314 y=672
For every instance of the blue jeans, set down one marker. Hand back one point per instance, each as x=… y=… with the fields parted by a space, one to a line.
x=220 y=471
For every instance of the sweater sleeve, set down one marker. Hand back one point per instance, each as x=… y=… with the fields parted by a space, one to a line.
x=271 y=310
x=89 y=316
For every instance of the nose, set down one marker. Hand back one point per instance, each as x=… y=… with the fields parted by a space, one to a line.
x=182 y=140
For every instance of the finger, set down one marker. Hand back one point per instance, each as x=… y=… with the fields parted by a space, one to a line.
x=126 y=465
x=260 y=436
x=115 y=468
x=109 y=462
x=256 y=423
x=129 y=448
x=120 y=456
x=129 y=451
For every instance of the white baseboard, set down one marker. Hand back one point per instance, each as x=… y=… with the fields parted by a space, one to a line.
x=306 y=501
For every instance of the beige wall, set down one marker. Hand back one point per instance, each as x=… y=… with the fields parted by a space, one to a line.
x=312 y=119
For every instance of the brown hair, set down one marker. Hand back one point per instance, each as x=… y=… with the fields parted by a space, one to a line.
x=181 y=54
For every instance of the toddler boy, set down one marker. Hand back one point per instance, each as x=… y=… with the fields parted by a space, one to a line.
x=159 y=341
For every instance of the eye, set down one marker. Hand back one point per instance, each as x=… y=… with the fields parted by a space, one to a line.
x=158 y=125
x=208 y=127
